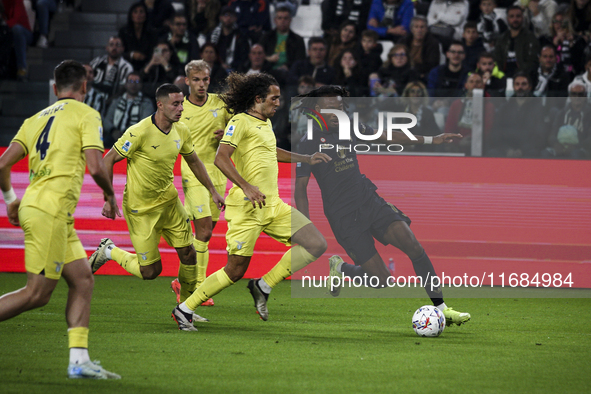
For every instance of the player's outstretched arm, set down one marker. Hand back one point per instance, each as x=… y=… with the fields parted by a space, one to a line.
x=399 y=137
x=224 y=163
x=196 y=165
x=284 y=156
x=11 y=156
x=301 y=195
x=110 y=210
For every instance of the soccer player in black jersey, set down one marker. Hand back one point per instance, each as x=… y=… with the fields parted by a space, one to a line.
x=355 y=212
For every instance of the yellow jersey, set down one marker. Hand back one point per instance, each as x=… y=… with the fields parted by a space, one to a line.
x=255 y=157
x=151 y=155
x=55 y=140
x=202 y=121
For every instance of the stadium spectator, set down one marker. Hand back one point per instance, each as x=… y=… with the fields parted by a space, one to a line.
x=461 y=115
x=162 y=68
x=253 y=99
x=346 y=39
x=585 y=77
x=517 y=49
x=127 y=110
x=348 y=74
x=232 y=44
x=391 y=19
x=218 y=73
x=356 y=213
x=448 y=79
x=494 y=80
x=137 y=37
x=6 y=45
x=473 y=45
x=335 y=12
x=570 y=47
x=254 y=18
x=256 y=62
x=179 y=82
x=579 y=14
x=395 y=73
x=44 y=9
x=490 y=25
x=519 y=129
x=416 y=101
x=446 y=19
x=18 y=21
x=570 y=135
x=52 y=248
x=314 y=65
x=282 y=46
x=94 y=98
x=370 y=52
x=424 y=48
x=158 y=12
x=538 y=14
x=111 y=70
x=203 y=16
x=550 y=80
x=183 y=41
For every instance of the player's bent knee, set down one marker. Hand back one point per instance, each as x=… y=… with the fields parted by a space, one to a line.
x=151 y=272
x=317 y=246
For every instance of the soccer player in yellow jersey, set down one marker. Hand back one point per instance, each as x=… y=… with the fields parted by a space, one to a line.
x=60 y=141
x=253 y=204
x=206 y=116
x=151 y=204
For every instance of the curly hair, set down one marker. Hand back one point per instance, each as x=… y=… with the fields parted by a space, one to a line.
x=243 y=90
x=309 y=100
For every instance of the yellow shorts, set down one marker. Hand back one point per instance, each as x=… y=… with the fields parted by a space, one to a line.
x=170 y=222
x=246 y=223
x=49 y=242
x=199 y=204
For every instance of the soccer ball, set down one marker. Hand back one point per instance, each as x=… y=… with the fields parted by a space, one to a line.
x=428 y=321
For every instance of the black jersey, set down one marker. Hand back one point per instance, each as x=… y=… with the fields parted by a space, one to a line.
x=344 y=188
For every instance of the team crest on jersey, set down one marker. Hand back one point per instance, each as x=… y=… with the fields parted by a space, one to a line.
x=341 y=153
x=214 y=112
x=126 y=146
x=322 y=139
x=178 y=144
x=230 y=131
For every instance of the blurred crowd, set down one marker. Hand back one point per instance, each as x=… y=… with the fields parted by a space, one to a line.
x=531 y=59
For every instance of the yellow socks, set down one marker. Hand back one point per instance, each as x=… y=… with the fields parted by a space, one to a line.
x=188 y=280
x=202 y=259
x=214 y=283
x=128 y=261
x=78 y=337
x=293 y=260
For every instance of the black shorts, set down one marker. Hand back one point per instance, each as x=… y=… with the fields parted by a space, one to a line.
x=356 y=231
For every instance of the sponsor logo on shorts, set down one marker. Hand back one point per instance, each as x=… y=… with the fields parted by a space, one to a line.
x=58 y=266
x=126 y=146
x=239 y=244
x=144 y=257
x=230 y=131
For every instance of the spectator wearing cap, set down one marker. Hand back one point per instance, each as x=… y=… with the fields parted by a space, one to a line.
x=519 y=129
x=231 y=43
x=570 y=135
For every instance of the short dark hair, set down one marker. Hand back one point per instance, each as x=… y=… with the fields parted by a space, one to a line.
x=165 y=90
x=283 y=8
x=69 y=74
x=455 y=42
x=316 y=40
x=243 y=90
x=486 y=55
x=547 y=46
x=371 y=34
x=307 y=79
x=514 y=7
x=523 y=74
x=135 y=74
x=470 y=25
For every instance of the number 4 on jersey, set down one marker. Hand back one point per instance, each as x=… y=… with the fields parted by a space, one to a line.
x=42 y=143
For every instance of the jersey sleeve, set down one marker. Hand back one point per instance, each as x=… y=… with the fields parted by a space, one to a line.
x=305 y=147
x=91 y=128
x=235 y=131
x=187 y=148
x=128 y=143
x=21 y=138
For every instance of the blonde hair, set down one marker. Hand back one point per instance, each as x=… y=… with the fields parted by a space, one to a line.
x=420 y=85
x=197 y=66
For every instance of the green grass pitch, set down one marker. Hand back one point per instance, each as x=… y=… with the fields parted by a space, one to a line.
x=308 y=345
